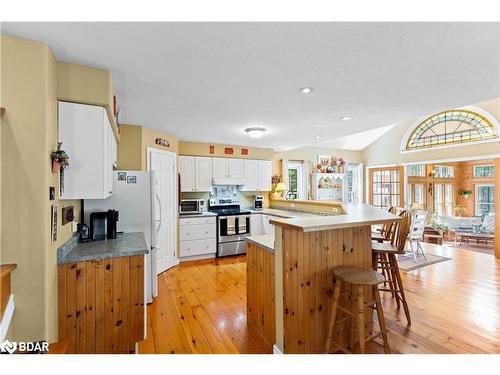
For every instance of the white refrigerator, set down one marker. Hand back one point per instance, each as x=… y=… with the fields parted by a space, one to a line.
x=133 y=198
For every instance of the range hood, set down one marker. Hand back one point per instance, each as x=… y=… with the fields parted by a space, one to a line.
x=227 y=181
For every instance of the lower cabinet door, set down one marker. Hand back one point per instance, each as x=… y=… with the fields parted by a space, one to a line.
x=199 y=247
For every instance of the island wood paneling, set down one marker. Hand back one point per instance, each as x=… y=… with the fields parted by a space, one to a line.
x=101 y=305
x=261 y=316
x=308 y=259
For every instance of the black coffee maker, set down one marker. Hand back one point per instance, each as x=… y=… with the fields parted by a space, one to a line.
x=103 y=224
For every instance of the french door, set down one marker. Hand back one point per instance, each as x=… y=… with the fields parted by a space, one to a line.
x=386 y=187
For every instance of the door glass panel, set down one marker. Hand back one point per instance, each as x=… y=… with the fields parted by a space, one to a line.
x=394 y=175
x=386 y=176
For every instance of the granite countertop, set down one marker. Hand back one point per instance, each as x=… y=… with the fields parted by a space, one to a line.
x=203 y=214
x=357 y=214
x=265 y=241
x=126 y=244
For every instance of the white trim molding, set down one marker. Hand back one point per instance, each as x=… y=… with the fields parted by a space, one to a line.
x=7 y=317
x=471 y=108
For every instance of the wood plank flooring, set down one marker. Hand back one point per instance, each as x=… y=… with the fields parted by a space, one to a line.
x=455 y=308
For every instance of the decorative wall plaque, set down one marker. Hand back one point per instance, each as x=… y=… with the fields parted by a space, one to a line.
x=162 y=142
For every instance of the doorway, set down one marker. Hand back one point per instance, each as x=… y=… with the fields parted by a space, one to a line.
x=165 y=206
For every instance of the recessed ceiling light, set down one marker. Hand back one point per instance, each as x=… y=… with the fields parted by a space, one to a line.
x=346 y=118
x=306 y=90
x=317 y=136
x=256 y=132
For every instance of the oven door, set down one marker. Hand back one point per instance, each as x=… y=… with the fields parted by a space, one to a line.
x=233 y=228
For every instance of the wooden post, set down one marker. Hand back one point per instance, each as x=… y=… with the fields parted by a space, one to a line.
x=497 y=208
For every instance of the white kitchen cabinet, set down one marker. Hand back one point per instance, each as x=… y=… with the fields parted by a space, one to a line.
x=256 y=224
x=197 y=237
x=251 y=175
x=236 y=168
x=257 y=175
x=228 y=168
x=220 y=168
x=203 y=174
x=264 y=175
x=186 y=169
x=267 y=227
x=88 y=139
x=196 y=173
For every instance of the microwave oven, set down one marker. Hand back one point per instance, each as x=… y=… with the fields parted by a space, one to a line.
x=192 y=206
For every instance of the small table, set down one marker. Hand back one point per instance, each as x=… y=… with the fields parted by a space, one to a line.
x=436 y=239
x=467 y=236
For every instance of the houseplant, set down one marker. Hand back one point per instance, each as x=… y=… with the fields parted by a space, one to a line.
x=465 y=193
x=59 y=159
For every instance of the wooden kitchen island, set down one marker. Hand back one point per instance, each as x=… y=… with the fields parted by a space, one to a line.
x=304 y=252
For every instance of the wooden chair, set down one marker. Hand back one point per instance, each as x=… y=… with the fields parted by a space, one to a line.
x=386 y=230
x=359 y=278
x=384 y=259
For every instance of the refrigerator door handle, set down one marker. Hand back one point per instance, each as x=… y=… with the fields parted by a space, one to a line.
x=154 y=285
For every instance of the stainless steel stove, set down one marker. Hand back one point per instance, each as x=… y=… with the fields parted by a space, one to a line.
x=233 y=226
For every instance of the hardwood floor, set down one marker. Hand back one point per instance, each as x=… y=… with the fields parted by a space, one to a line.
x=455 y=308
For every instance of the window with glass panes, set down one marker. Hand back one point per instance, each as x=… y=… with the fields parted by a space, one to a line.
x=443 y=171
x=483 y=171
x=443 y=199
x=485 y=199
x=386 y=187
x=416 y=170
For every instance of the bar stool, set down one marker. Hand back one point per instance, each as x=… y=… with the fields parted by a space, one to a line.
x=384 y=259
x=386 y=230
x=358 y=278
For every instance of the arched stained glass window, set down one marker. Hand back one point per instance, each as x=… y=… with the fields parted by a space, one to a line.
x=450 y=127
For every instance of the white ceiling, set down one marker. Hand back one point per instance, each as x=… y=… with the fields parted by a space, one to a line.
x=207 y=82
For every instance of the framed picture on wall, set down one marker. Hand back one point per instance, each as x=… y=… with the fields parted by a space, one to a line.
x=53 y=224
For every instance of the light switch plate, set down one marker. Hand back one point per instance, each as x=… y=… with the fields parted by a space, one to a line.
x=74 y=226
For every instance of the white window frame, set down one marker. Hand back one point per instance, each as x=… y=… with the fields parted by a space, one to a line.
x=476 y=200
x=301 y=168
x=482 y=166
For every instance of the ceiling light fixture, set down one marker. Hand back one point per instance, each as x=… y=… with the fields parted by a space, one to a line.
x=255 y=132
x=346 y=118
x=306 y=90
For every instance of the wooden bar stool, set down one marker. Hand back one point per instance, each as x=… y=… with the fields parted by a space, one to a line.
x=386 y=230
x=357 y=278
x=384 y=259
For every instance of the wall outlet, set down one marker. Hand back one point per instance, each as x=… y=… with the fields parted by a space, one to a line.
x=74 y=226
x=335 y=210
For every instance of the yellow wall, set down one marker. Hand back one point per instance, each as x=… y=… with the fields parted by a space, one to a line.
x=386 y=150
x=28 y=135
x=129 y=148
x=134 y=142
x=202 y=149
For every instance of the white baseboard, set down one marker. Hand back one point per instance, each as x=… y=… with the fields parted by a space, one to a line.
x=276 y=350
x=7 y=317
x=197 y=257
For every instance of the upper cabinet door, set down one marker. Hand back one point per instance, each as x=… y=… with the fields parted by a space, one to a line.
x=236 y=168
x=220 y=167
x=186 y=169
x=264 y=175
x=251 y=176
x=203 y=174
x=85 y=133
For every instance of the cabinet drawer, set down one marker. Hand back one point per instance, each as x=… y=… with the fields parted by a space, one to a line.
x=206 y=220
x=188 y=221
x=197 y=232
x=199 y=247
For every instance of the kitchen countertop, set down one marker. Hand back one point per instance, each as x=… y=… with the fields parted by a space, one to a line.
x=126 y=244
x=282 y=213
x=190 y=216
x=265 y=241
x=359 y=214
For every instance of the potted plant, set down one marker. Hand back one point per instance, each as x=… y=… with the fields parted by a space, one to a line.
x=59 y=159
x=465 y=193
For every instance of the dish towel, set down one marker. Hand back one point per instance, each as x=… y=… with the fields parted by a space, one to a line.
x=231 y=225
x=242 y=225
